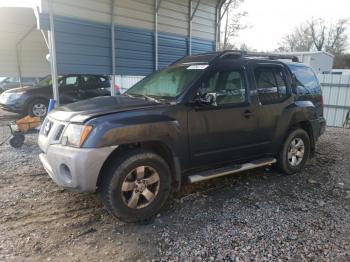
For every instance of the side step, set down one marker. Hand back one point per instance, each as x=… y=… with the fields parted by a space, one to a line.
x=223 y=171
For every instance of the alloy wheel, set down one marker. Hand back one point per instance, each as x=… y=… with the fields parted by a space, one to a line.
x=296 y=151
x=140 y=187
x=39 y=110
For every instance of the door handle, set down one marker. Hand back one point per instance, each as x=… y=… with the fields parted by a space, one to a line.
x=248 y=114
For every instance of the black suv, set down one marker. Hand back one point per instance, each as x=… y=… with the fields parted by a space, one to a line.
x=204 y=116
x=34 y=100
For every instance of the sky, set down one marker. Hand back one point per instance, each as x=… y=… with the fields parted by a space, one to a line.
x=270 y=20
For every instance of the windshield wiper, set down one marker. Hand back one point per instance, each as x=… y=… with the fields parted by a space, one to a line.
x=151 y=98
x=146 y=97
x=126 y=94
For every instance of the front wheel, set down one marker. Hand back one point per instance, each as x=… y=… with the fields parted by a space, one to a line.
x=135 y=186
x=295 y=152
x=38 y=107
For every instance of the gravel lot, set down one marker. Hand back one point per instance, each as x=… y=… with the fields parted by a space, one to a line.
x=256 y=216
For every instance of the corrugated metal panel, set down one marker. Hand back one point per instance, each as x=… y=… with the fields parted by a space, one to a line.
x=336 y=95
x=200 y=46
x=90 y=10
x=136 y=13
x=85 y=47
x=203 y=24
x=172 y=18
x=171 y=48
x=134 y=51
x=82 y=47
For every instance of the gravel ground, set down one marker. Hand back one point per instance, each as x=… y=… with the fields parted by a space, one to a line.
x=256 y=216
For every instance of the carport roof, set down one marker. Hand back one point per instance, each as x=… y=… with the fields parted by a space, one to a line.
x=22 y=47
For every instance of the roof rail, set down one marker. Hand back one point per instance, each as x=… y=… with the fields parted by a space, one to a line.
x=212 y=57
x=272 y=56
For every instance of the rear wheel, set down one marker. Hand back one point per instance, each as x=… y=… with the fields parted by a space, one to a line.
x=38 y=107
x=295 y=151
x=136 y=186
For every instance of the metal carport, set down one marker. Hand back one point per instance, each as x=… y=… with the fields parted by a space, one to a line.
x=114 y=37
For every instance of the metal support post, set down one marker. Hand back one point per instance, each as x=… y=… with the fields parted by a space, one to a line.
x=190 y=19
x=156 y=9
x=53 y=60
x=113 y=49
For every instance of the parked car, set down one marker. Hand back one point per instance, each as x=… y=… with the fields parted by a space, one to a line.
x=33 y=100
x=203 y=117
x=13 y=82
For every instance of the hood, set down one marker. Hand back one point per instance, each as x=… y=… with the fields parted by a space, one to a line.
x=83 y=110
x=24 y=89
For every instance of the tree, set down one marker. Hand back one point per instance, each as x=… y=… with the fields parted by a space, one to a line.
x=341 y=61
x=232 y=23
x=299 y=40
x=318 y=35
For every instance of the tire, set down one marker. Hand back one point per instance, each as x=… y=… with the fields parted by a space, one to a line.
x=290 y=160
x=17 y=140
x=38 y=107
x=123 y=174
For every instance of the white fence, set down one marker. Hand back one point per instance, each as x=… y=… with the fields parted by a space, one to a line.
x=125 y=82
x=336 y=95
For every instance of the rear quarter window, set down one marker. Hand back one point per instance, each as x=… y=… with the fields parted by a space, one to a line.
x=306 y=80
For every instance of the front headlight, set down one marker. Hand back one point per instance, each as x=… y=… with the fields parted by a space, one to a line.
x=10 y=97
x=75 y=135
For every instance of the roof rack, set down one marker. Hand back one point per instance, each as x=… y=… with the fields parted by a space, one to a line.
x=272 y=56
x=212 y=57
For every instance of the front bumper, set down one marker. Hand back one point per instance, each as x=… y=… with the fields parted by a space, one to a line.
x=12 y=108
x=76 y=169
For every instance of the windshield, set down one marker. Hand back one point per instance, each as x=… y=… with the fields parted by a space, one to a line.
x=167 y=83
x=46 y=81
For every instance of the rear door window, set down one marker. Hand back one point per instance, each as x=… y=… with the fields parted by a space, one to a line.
x=69 y=82
x=91 y=82
x=271 y=84
x=228 y=85
x=306 y=80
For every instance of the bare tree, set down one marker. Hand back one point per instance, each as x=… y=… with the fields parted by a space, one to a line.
x=337 y=41
x=299 y=40
x=341 y=61
x=317 y=35
x=232 y=23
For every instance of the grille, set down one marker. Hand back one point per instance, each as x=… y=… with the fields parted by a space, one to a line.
x=59 y=132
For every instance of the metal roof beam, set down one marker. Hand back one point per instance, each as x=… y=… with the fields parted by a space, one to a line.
x=18 y=53
x=226 y=8
x=158 y=3
x=195 y=10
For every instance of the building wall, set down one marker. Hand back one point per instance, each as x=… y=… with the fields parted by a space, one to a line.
x=83 y=38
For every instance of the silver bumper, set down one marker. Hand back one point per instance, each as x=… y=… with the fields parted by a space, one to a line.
x=75 y=168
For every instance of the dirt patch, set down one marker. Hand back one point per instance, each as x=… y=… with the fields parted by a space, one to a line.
x=261 y=215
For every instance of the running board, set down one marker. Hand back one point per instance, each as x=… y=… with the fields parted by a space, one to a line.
x=223 y=171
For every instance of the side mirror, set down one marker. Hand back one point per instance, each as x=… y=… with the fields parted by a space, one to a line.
x=208 y=99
